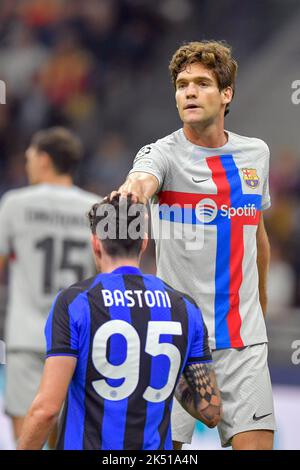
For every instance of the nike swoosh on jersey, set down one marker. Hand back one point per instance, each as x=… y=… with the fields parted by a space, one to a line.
x=199 y=181
x=257 y=418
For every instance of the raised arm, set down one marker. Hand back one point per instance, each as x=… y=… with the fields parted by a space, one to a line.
x=141 y=185
x=197 y=392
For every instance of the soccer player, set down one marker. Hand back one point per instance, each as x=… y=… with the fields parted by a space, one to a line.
x=45 y=237
x=212 y=184
x=116 y=346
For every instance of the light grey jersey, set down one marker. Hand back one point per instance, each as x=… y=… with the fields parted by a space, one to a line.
x=205 y=218
x=44 y=230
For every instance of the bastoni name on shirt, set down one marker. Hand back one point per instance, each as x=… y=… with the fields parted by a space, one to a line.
x=130 y=298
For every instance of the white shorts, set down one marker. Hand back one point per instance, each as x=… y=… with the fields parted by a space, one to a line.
x=244 y=382
x=23 y=372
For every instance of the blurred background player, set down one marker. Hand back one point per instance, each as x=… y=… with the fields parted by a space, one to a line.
x=45 y=238
x=216 y=177
x=121 y=339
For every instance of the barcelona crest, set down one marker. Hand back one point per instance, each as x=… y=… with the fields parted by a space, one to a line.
x=250 y=177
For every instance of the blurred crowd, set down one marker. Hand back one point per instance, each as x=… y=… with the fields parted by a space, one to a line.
x=73 y=63
x=283 y=226
x=77 y=63
x=69 y=63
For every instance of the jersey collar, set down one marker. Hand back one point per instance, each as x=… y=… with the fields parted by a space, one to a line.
x=126 y=270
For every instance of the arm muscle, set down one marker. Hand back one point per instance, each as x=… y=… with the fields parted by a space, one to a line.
x=46 y=406
x=198 y=393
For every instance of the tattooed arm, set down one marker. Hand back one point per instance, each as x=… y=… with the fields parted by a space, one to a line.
x=197 y=392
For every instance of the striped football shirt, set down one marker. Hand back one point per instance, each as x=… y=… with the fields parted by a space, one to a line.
x=132 y=335
x=205 y=216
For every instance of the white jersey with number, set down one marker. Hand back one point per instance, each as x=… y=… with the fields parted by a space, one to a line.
x=205 y=216
x=44 y=230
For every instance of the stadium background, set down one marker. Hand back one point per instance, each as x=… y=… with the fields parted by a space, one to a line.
x=100 y=67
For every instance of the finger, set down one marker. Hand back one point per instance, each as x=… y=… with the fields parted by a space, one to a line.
x=113 y=194
x=134 y=198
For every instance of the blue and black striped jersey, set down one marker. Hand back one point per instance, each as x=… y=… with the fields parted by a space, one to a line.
x=132 y=335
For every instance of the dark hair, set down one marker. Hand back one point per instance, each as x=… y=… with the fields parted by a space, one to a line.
x=215 y=55
x=123 y=225
x=62 y=146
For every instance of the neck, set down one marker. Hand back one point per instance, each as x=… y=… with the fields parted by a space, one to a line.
x=54 y=178
x=212 y=135
x=108 y=264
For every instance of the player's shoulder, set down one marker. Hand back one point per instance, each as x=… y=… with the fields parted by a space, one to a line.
x=166 y=144
x=19 y=194
x=42 y=192
x=86 y=196
x=74 y=196
x=162 y=145
x=17 y=199
x=69 y=294
x=170 y=139
x=249 y=143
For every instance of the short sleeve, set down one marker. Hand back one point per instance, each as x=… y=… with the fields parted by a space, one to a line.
x=199 y=350
x=6 y=214
x=61 y=331
x=266 y=199
x=151 y=160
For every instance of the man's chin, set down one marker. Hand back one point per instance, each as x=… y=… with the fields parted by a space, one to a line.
x=195 y=121
x=201 y=121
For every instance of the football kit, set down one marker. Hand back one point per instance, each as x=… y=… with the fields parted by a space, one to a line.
x=204 y=217
x=132 y=336
x=45 y=234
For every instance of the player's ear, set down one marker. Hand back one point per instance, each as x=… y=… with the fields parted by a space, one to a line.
x=96 y=244
x=227 y=95
x=45 y=160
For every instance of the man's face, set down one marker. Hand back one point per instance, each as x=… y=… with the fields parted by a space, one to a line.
x=33 y=165
x=198 y=98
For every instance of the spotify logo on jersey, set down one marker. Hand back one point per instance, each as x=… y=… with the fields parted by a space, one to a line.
x=206 y=210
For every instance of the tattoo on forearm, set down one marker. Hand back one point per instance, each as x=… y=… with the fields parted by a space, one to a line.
x=197 y=391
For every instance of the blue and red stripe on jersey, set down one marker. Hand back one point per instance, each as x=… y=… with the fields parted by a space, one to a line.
x=230 y=240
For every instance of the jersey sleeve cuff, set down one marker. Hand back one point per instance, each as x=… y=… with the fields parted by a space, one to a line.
x=62 y=352
x=197 y=360
x=146 y=170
